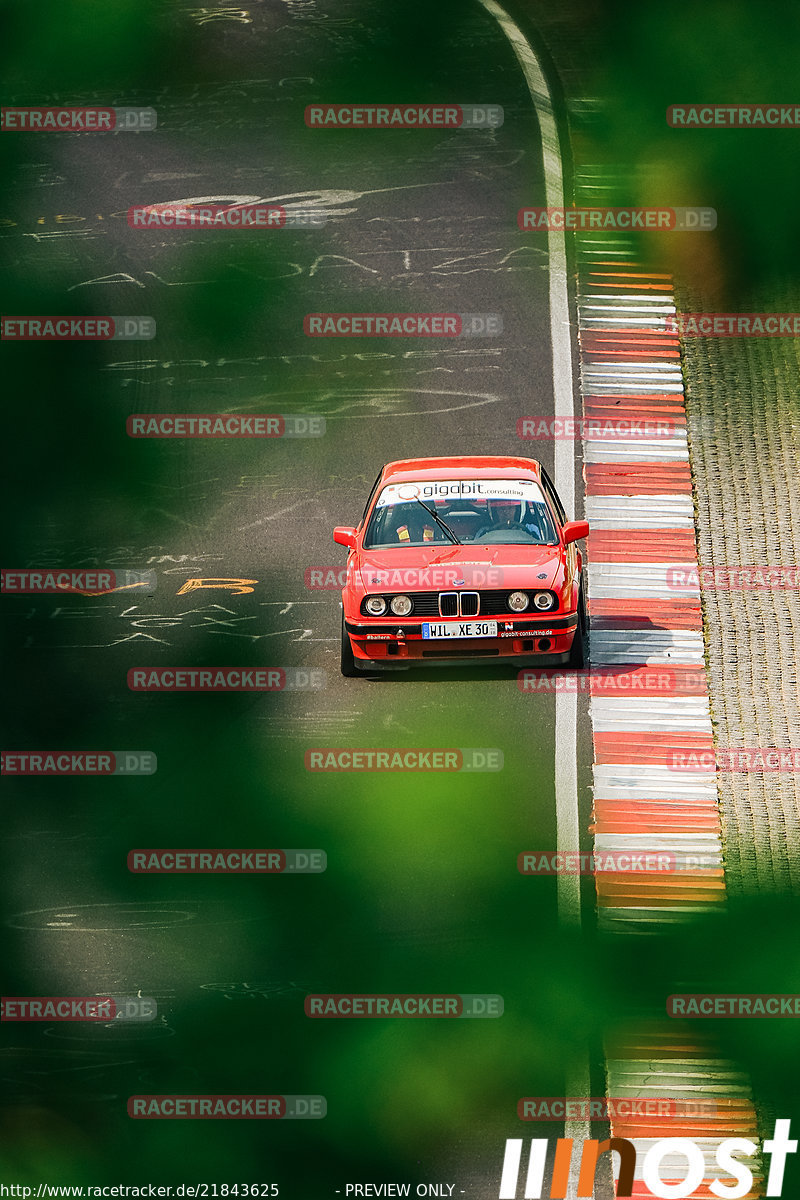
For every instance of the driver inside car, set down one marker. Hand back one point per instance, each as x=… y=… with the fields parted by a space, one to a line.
x=510 y=514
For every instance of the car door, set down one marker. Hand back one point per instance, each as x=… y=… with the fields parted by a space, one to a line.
x=561 y=516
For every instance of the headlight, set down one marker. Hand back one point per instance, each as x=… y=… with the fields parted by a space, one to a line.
x=401 y=606
x=376 y=606
x=518 y=601
x=544 y=600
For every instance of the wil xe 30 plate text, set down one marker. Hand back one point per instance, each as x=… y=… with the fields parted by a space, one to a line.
x=459 y=629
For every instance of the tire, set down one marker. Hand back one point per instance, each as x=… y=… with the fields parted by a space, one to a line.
x=579 y=650
x=347 y=661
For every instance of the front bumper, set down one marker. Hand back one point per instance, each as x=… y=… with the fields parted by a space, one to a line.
x=378 y=645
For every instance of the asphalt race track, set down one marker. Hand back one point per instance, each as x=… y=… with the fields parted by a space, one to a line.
x=224 y=559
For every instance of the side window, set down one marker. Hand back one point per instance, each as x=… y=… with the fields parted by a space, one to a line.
x=552 y=496
x=370 y=496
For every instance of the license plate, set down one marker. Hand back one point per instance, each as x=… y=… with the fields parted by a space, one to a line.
x=459 y=629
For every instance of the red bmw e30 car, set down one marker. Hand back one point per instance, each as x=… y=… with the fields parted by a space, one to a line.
x=463 y=559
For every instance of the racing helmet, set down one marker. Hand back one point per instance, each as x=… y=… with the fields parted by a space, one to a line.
x=506 y=512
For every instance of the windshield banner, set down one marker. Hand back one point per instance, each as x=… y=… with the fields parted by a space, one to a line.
x=455 y=489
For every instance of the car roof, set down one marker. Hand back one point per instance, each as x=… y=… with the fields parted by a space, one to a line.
x=483 y=466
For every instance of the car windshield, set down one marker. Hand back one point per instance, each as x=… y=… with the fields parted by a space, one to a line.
x=478 y=511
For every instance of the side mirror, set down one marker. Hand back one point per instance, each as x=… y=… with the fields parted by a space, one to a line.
x=573 y=531
x=345 y=535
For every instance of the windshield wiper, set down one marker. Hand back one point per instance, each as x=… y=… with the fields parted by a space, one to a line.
x=440 y=522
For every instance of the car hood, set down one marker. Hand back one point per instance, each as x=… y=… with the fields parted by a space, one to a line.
x=435 y=568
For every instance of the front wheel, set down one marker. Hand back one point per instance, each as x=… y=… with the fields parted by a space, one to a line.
x=579 y=650
x=347 y=661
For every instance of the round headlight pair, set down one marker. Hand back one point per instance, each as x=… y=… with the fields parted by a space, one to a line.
x=519 y=601
x=400 y=606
